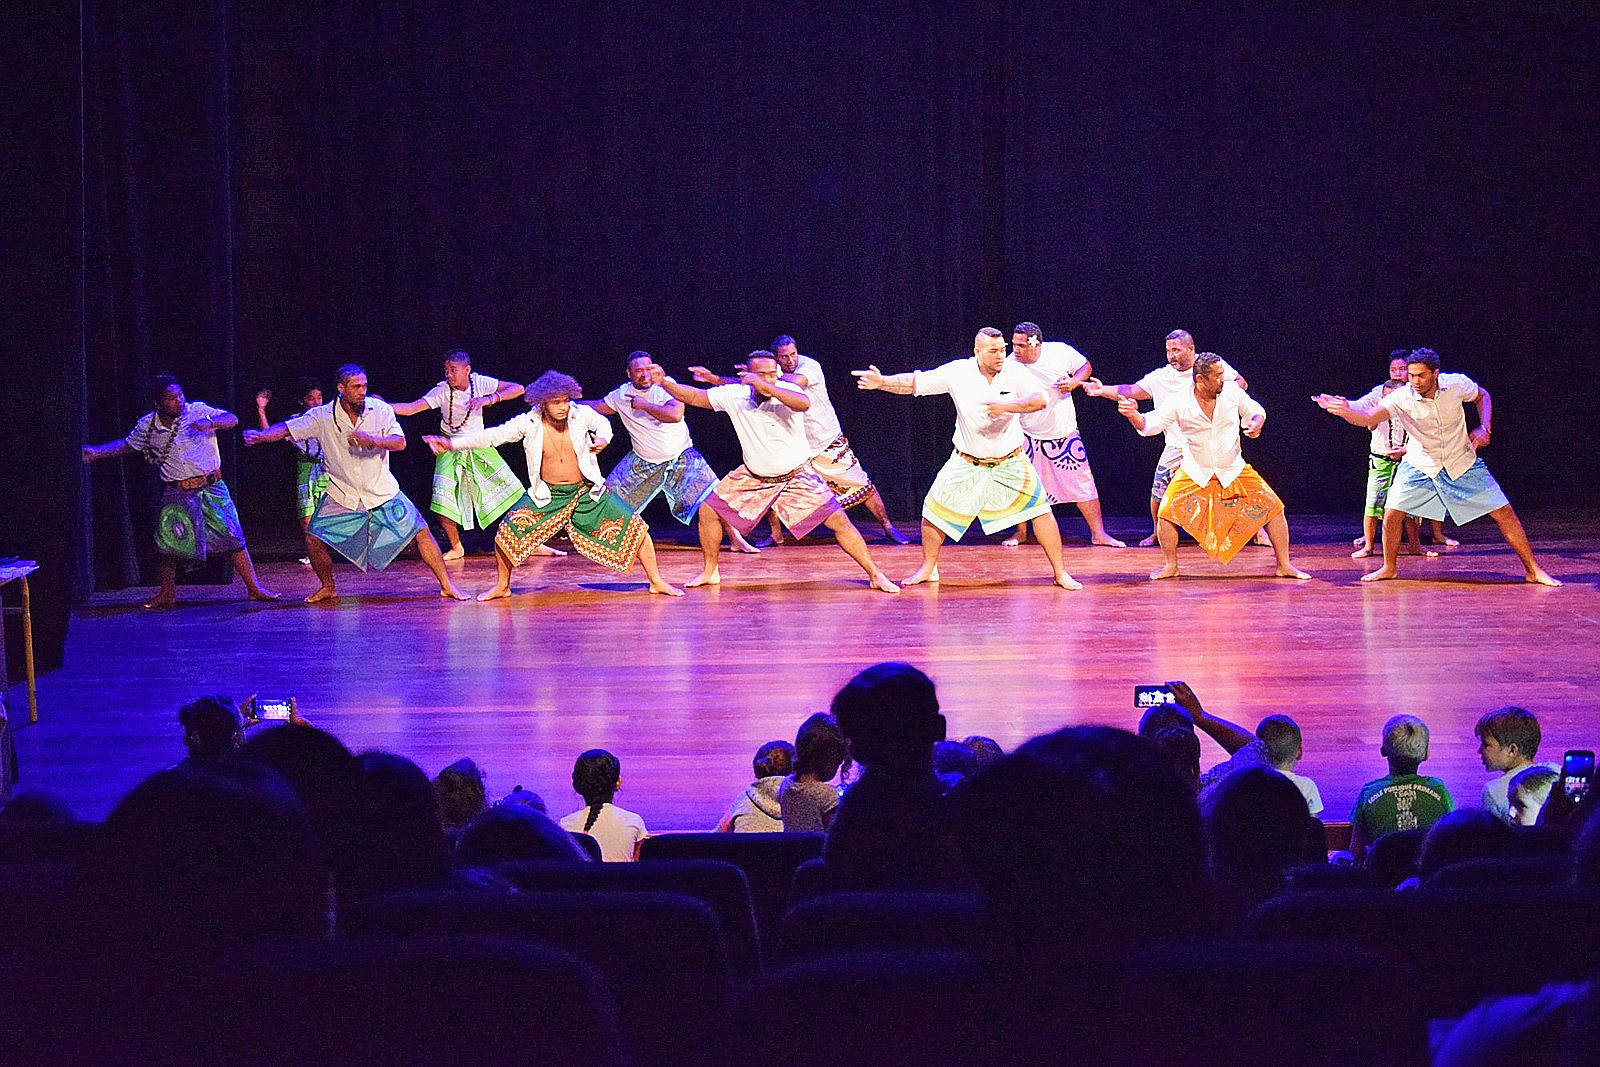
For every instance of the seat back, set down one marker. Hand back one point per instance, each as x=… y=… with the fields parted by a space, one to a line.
x=768 y=862
x=1504 y=872
x=865 y=922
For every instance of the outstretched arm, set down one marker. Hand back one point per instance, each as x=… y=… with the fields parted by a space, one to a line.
x=106 y=451
x=278 y=431
x=1095 y=387
x=1480 y=436
x=687 y=394
x=1231 y=736
x=873 y=378
x=598 y=405
x=710 y=377
x=1367 y=418
x=410 y=407
x=792 y=399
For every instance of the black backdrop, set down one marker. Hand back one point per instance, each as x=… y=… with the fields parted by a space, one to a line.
x=262 y=190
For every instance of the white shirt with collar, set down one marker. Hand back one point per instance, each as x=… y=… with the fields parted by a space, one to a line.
x=451 y=404
x=1210 y=444
x=822 y=422
x=192 y=455
x=585 y=427
x=1167 y=381
x=772 y=435
x=1436 y=426
x=654 y=441
x=977 y=434
x=1059 y=419
x=358 y=478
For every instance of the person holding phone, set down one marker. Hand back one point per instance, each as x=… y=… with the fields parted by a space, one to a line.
x=988 y=477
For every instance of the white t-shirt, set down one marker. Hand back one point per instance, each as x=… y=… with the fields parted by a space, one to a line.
x=1208 y=446
x=192 y=454
x=1497 y=792
x=1308 y=789
x=617 y=829
x=1162 y=383
x=1388 y=437
x=358 y=478
x=822 y=422
x=1437 y=427
x=977 y=434
x=654 y=441
x=451 y=404
x=772 y=435
x=1059 y=419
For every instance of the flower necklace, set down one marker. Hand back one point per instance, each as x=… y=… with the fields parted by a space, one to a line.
x=151 y=456
x=450 y=426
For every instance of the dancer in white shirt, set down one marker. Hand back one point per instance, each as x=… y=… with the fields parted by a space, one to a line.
x=363 y=515
x=1215 y=494
x=1441 y=474
x=987 y=478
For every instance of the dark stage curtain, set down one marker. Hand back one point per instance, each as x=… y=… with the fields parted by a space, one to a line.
x=272 y=189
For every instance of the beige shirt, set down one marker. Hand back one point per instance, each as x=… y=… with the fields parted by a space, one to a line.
x=1436 y=426
x=192 y=454
x=358 y=478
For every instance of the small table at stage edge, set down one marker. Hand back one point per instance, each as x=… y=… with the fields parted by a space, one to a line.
x=17 y=571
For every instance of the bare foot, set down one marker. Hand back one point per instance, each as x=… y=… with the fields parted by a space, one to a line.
x=1361 y=553
x=1382 y=574
x=737 y=542
x=1146 y=542
x=450 y=592
x=1291 y=571
x=160 y=600
x=882 y=584
x=261 y=592
x=1067 y=581
x=704 y=578
x=923 y=574
x=663 y=589
x=1359 y=541
x=499 y=592
x=896 y=536
x=778 y=538
x=1537 y=576
x=1169 y=571
x=1451 y=542
x=1260 y=540
x=1105 y=540
x=546 y=550
x=456 y=552
x=1408 y=550
x=327 y=592
x=1011 y=542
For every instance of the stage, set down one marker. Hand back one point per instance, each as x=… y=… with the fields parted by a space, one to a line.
x=683 y=691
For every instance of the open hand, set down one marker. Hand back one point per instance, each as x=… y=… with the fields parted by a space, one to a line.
x=871 y=378
x=1336 y=405
x=703 y=374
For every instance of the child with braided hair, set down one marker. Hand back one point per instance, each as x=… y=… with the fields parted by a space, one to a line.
x=596 y=777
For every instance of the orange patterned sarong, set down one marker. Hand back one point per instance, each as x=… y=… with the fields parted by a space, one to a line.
x=1222 y=518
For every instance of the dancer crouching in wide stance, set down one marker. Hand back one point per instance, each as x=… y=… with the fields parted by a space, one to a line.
x=769 y=418
x=567 y=491
x=1215 y=495
x=987 y=478
x=363 y=515
x=1440 y=473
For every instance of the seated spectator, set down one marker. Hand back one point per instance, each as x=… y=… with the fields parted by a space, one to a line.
x=1180 y=749
x=1527 y=793
x=213 y=729
x=1464 y=834
x=1508 y=741
x=596 y=777
x=892 y=828
x=1244 y=748
x=403 y=844
x=806 y=799
x=327 y=779
x=1256 y=826
x=757 y=811
x=461 y=794
x=985 y=750
x=952 y=761
x=520 y=797
x=33 y=808
x=1285 y=749
x=1401 y=799
x=509 y=832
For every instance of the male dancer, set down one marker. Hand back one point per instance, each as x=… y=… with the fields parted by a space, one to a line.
x=769 y=418
x=310 y=480
x=663 y=458
x=1215 y=494
x=197 y=518
x=363 y=515
x=1051 y=437
x=1441 y=473
x=561 y=441
x=1388 y=445
x=1156 y=387
x=470 y=489
x=987 y=477
x=832 y=457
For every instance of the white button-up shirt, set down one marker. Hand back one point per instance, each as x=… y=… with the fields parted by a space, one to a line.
x=191 y=455
x=822 y=422
x=977 y=434
x=585 y=427
x=1167 y=381
x=1210 y=445
x=358 y=478
x=1436 y=427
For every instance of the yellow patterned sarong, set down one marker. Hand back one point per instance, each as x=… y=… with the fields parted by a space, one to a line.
x=1222 y=518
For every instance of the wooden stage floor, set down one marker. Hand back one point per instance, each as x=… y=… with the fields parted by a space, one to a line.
x=685 y=690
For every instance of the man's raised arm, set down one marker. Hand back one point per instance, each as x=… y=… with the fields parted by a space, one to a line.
x=688 y=394
x=873 y=378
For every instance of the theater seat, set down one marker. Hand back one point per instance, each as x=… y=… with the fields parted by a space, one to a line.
x=837 y=923
x=1504 y=872
x=768 y=861
x=660 y=953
